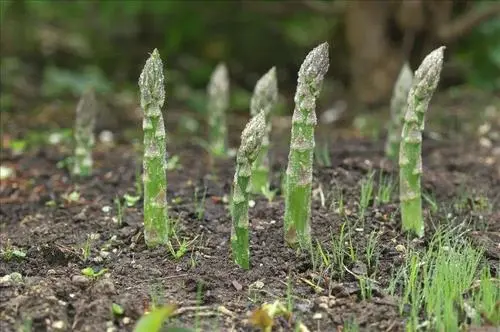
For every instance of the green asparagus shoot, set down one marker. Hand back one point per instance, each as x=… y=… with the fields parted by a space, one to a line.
x=410 y=153
x=265 y=97
x=84 y=134
x=251 y=141
x=151 y=83
x=398 y=105
x=218 y=104
x=300 y=159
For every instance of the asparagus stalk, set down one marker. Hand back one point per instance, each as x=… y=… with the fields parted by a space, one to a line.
x=300 y=159
x=410 y=151
x=218 y=103
x=265 y=96
x=151 y=83
x=398 y=105
x=251 y=141
x=84 y=134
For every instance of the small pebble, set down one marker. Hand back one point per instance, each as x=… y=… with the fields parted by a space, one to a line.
x=126 y=320
x=258 y=284
x=323 y=306
x=104 y=286
x=360 y=268
x=400 y=248
x=80 y=216
x=485 y=142
x=80 y=280
x=237 y=285
x=484 y=128
x=58 y=325
x=317 y=316
x=5 y=172
x=55 y=138
x=106 y=137
x=106 y=209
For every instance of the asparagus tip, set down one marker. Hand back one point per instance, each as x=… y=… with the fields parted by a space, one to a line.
x=252 y=135
x=316 y=63
x=151 y=81
x=431 y=66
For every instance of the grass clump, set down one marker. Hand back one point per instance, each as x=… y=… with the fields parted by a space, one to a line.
x=366 y=194
x=435 y=282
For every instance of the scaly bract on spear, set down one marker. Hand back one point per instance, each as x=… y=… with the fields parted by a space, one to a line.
x=217 y=106
x=300 y=159
x=398 y=108
x=410 y=150
x=251 y=141
x=84 y=134
x=265 y=97
x=152 y=88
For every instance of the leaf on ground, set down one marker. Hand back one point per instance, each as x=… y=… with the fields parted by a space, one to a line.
x=153 y=321
x=260 y=318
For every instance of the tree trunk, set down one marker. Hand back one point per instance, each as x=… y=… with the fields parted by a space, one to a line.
x=375 y=59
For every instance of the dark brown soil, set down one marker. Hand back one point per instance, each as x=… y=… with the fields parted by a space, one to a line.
x=55 y=296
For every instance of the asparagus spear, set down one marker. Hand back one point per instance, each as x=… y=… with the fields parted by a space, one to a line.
x=410 y=151
x=265 y=96
x=251 y=141
x=218 y=103
x=151 y=84
x=300 y=159
x=398 y=106
x=84 y=134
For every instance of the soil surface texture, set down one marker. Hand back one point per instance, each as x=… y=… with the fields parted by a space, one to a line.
x=64 y=225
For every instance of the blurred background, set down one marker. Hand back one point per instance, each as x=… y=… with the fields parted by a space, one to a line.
x=52 y=50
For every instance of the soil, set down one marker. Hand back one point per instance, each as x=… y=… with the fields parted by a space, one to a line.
x=205 y=284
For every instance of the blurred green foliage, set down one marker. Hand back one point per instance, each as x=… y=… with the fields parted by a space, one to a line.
x=480 y=52
x=59 y=47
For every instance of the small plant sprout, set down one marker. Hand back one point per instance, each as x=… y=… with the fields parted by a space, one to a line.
x=9 y=252
x=151 y=83
x=322 y=155
x=119 y=211
x=84 y=134
x=366 y=194
x=91 y=273
x=218 y=103
x=398 y=105
x=199 y=203
x=385 y=189
x=153 y=321
x=269 y=193
x=410 y=154
x=265 y=97
x=131 y=200
x=300 y=160
x=87 y=245
x=251 y=140
x=117 y=310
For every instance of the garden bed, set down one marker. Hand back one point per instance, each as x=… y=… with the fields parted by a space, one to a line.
x=50 y=218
